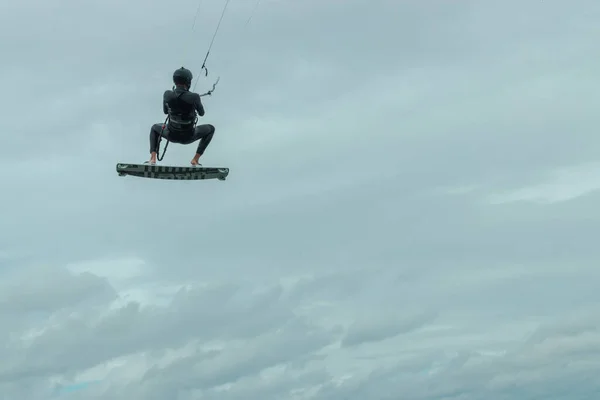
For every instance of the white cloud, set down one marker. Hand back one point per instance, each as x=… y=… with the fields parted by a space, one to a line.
x=566 y=184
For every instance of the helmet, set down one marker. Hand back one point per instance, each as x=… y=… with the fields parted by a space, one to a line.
x=182 y=76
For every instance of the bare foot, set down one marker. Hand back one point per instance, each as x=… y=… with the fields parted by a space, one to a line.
x=194 y=161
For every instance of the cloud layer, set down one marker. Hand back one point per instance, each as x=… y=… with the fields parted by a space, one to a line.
x=411 y=211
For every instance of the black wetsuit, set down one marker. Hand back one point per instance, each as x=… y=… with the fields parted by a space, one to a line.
x=182 y=105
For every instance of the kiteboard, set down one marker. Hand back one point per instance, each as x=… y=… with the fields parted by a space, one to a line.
x=171 y=172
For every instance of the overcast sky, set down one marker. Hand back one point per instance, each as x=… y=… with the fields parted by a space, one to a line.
x=412 y=208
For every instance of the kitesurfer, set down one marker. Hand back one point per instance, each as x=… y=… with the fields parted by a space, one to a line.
x=183 y=108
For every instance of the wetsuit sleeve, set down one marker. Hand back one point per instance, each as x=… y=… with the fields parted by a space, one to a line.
x=199 y=106
x=165 y=107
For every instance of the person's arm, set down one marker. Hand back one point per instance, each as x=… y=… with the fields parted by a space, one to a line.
x=199 y=106
x=165 y=106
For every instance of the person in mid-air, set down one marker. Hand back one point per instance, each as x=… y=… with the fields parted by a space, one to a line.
x=181 y=106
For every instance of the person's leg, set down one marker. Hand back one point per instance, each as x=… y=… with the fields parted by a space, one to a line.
x=155 y=133
x=205 y=133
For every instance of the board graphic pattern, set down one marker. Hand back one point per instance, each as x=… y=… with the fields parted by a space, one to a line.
x=172 y=172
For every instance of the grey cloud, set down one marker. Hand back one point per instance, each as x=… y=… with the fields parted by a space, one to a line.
x=288 y=384
x=569 y=327
x=289 y=343
x=282 y=384
x=336 y=285
x=47 y=289
x=379 y=326
x=519 y=374
x=467 y=374
x=82 y=341
x=340 y=121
